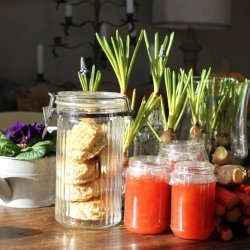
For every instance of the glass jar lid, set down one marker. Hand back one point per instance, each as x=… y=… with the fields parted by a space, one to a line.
x=93 y=102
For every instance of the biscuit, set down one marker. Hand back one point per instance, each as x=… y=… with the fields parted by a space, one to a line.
x=85 y=191
x=87 y=210
x=83 y=172
x=86 y=139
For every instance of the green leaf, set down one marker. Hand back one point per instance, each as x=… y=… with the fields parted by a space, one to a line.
x=36 y=153
x=8 y=147
x=2 y=134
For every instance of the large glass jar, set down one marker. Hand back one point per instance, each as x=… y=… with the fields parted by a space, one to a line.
x=192 y=200
x=89 y=158
x=183 y=151
x=147 y=195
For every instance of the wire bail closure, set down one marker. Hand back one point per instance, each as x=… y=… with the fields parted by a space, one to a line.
x=48 y=112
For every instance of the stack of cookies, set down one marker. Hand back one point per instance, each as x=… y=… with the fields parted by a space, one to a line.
x=84 y=145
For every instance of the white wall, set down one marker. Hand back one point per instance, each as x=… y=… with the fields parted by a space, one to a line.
x=25 y=23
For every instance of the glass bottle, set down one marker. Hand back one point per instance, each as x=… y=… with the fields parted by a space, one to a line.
x=192 y=200
x=147 y=195
x=89 y=158
x=186 y=150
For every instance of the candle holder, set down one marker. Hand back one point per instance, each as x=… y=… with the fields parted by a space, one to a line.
x=40 y=78
x=97 y=5
x=59 y=44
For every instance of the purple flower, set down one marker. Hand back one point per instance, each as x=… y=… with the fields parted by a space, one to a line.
x=38 y=127
x=22 y=133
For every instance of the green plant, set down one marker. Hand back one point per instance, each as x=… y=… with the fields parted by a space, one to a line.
x=118 y=55
x=224 y=95
x=159 y=58
x=176 y=88
x=196 y=96
x=146 y=108
x=24 y=141
x=94 y=81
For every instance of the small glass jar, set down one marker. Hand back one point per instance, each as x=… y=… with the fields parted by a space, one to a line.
x=147 y=195
x=183 y=151
x=192 y=200
x=89 y=158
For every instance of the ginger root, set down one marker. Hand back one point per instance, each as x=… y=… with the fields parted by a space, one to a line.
x=222 y=156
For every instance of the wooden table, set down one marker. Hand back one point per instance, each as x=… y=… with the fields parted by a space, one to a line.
x=37 y=229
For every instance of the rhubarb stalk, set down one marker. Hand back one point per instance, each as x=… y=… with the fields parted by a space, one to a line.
x=226 y=198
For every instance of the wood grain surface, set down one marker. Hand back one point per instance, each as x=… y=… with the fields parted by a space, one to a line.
x=37 y=229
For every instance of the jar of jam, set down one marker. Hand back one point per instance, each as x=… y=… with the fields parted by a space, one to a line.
x=89 y=158
x=183 y=151
x=192 y=200
x=147 y=195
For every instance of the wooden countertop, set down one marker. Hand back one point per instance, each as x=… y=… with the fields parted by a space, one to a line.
x=37 y=229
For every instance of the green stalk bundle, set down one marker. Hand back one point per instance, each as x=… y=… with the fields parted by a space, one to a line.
x=159 y=58
x=146 y=108
x=196 y=97
x=94 y=81
x=176 y=88
x=118 y=55
x=227 y=101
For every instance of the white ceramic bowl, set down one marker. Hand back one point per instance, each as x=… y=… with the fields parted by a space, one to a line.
x=27 y=184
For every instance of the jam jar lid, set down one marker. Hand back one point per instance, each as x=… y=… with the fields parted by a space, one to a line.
x=93 y=102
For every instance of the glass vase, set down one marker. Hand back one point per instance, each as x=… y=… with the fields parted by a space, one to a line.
x=225 y=115
x=145 y=142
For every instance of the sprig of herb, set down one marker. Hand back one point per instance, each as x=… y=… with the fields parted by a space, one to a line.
x=159 y=58
x=118 y=55
x=95 y=78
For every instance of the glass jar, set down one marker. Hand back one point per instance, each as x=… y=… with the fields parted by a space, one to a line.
x=192 y=200
x=147 y=195
x=183 y=151
x=89 y=158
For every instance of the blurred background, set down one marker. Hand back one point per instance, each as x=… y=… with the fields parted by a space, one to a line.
x=27 y=24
